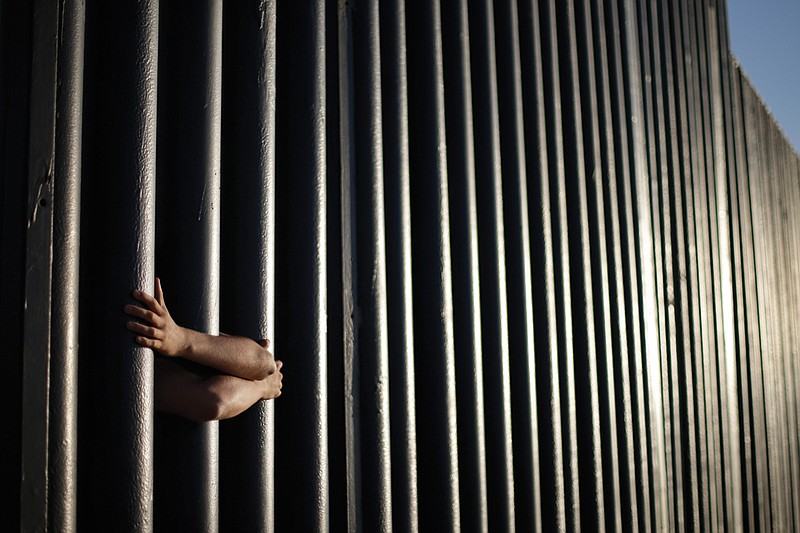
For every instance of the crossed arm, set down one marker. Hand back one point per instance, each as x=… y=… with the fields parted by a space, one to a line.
x=248 y=370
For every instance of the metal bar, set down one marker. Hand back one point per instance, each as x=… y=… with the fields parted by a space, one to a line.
x=657 y=368
x=16 y=29
x=440 y=508
x=706 y=260
x=683 y=156
x=684 y=510
x=38 y=293
x=617 y=375
x=187 y=244
x=641 y=212
x=369 y=275
x=596 y=176
x=63 y=437
x=562 y=260
x=695 y=202
x=632 y=377
x=300 y=270
x=748 y=215
x=581 y=371
x=764 y=265
x=492 y=246
x=726 y=320
x=349 y=266
x=740 y=249
x=531 y=265
x=344 y=448
x=118 y=208
x=247 y=275
x=405 y=507
x=470 y=364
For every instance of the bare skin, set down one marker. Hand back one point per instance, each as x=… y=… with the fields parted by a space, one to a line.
x=249 y=372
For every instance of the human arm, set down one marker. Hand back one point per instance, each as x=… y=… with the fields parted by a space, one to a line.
x=237 y=356
x=201 y=399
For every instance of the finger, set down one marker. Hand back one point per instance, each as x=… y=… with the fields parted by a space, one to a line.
x=144 y=314
x=146 y=299
x=147 y=331
x=148 y=343
x=264 y=343
x=278 y=364
x=160 y=293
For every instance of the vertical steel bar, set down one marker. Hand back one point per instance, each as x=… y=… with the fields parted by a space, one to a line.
x=617 y=344
x=300 y=270
x=620 y=73
x=695 y=200
x=596 y=177
x=369 y=276
x=247 y=269
x=748 y=214
x=118 y=208
x=718 y=60
x=467 y=301
x=680 y=375
x=63 y=437
x=492 y=246
x=562 y=266
x=440 y=508
x=16 y=27
x=740 y=250
x=187 y=244
x=398 y=266
x=657 y=367
x=684 y=155
x=764 y=260
x=348 y=262
x=707 y=262
x=520 y=106
x=38 y=294
x=763 y=264
x=646 y=268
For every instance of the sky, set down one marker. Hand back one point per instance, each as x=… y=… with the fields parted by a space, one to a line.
x=765 y=38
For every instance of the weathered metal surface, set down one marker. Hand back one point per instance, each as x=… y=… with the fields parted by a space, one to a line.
x=247 y=277
x=188 y=208
x=117 y=213
x=300 y=269
x=531 y=265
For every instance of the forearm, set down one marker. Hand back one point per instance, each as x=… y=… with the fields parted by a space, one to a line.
x=203 y=400
x=187 y=394
x=234 y=395
x=237 y=356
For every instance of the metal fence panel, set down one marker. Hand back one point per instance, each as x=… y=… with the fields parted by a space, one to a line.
x=531 y=266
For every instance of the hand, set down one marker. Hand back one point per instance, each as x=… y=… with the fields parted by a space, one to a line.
x=273 y=383
x=159 y=331
x=270 y=363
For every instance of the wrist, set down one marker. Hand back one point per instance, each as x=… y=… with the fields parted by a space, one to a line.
x=185 y=342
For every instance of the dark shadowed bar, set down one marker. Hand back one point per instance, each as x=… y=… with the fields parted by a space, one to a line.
x=398 y=265
x=467 y=318
x=187 y=244
x=369 y=271
x=492 y=247
x=301 y=424
x=63 y=438
x=247 y=270
x=115 y=430
x=437 y=447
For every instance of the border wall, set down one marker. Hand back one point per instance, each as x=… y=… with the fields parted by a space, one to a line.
x=531 y=265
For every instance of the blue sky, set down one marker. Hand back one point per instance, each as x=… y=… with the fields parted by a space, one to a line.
x=765 y=37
